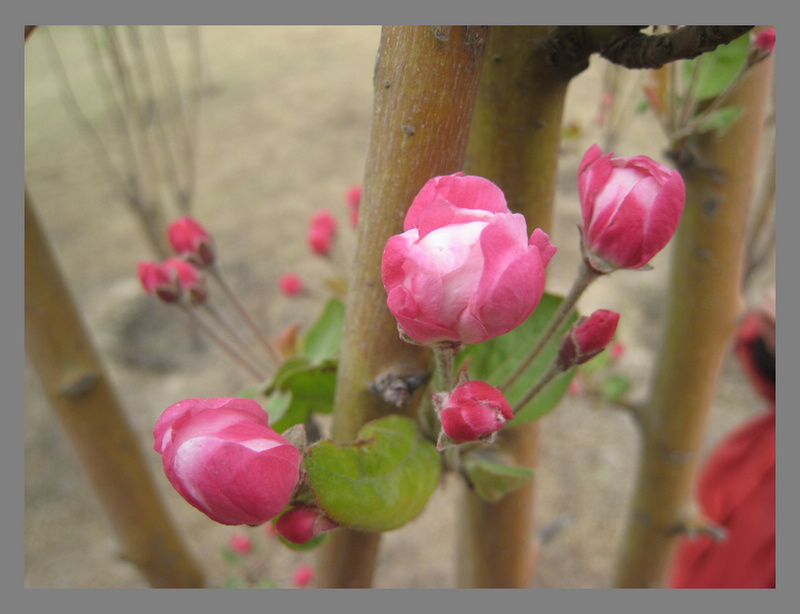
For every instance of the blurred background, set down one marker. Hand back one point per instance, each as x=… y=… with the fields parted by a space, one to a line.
x=251 y=129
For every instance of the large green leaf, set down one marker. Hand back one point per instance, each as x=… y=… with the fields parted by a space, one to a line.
x=379 y=482
x=718 y=68
x=324 y=338
x=495 y=360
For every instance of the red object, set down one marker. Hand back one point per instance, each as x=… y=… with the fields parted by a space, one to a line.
x=159 y=280
x=473 y=411
x=190 y=279
x=630 y=206
x=765 y=41
x=588 y=338
x=303 y=576
x=241 y=544
x=464 y=270
x=190 y=240
x=353 y=198
x=736 y=487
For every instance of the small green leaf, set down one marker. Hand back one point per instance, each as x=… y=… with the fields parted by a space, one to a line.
x=378 y=483
x=495 y=360
x=324 y=338
x=277 y=404
x=720 y=120
x=298 y=389
x=492 y=478
x=614 y=387
x=718 y=68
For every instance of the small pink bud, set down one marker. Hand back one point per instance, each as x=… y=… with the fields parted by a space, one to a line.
x=240 y=543
x=301 y=524
x=631 y=208
x=617 y=350
x=321 y=232
x=764 y=41
x=354 y=202
x=587 y=338
x=473 y=411
x=160 y=281
x=575 y=386
x=190 y=279
x=190 y=240
x=303 y=576
x=221 y=455
x=291 y=284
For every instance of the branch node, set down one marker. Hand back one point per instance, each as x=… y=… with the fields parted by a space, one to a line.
x=397 y=389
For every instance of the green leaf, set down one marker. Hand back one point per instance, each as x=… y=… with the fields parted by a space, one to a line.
x=718 y=68
x=720 y=120
x=614 y=387
x=379 y=482
x=492 y=478
x=495 y=360
x=310 y=388
x=324 y=338
x=309 y=545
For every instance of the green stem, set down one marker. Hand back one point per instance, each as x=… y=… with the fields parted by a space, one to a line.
x=444 y=376
x=553 y=371
x=586 y=275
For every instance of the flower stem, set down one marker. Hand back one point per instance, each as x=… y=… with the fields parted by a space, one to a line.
x=546 y=378
x=245 y=314
x=231 y=351
x=217 y=316
x=586 y=275
x=444 y=377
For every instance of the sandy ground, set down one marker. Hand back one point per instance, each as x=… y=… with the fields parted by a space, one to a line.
x=283 y=131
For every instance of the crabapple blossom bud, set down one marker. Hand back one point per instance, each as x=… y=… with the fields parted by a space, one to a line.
x=240 y=543
x=764 y=41
x=322 y=231
x=354 y=202
x=464 y=270
x=303 y=576
x=190 y=240
x=301 y=524
x=291 y=284
x=159 y=280
x=587 y=338
x=221 y=455
x=631 y=208
x=190 y=279
x=474 y=410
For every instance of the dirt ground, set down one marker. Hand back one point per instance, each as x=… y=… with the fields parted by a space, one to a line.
x=284 y=125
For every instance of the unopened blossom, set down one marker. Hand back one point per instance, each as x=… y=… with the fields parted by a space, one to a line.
x=353 y=198
x=300 y=524
x=587 y=338
x=303 y=576
x=291 y=284
x=192 y=241
x=474 y=410
x=464 y=270
x=322 y=231
x=190 y=279
x=221 y=455
x=240 y=543
x=159 y=281
x=631 y=208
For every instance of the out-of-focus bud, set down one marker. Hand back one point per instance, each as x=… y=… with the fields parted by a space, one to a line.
x=303 y=576
x=322 y=231
x=474 y=410
x=190 y=279
x=190 y=240
x=159 y=281
x=291 y=284
x=764 y=41
x=353 y=198
x=241 y=544
x=587 y=338
x=631 y=208
x=300 y=524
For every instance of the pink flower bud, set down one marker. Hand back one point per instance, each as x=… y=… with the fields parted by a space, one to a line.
x=587 y=338
x=240 y=543
x=764 y=41
x=160 y=281
x=474 y=410
x=303 y=576
x=222 y=456
x=631 y=208
x=464 y=270
x=321 y=232
x=190 y=240
x=190 y=279
x=301 y=524
x=354 y=202
x=617 y=350
x=291 y=284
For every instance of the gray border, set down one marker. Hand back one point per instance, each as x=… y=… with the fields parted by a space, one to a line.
x=321 y=11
